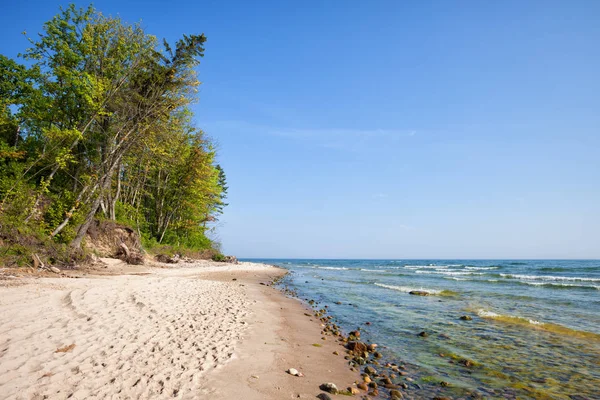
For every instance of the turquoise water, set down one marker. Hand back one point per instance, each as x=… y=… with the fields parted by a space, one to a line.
x=534 y=333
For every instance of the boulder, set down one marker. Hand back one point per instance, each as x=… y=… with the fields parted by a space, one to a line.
x=357 y=347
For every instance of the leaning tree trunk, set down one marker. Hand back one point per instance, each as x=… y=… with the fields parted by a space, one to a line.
x=105 y=185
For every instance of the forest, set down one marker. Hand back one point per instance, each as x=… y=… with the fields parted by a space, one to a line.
x=96 y=125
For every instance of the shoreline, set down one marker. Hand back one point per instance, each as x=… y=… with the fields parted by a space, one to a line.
x=202 y=330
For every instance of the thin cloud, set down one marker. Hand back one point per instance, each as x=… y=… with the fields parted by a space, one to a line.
x=346 y=139
x=332 y=138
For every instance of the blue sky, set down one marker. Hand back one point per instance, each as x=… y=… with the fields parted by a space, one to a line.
x=392 y=129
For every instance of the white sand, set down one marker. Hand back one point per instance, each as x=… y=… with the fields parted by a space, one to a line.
x=145 y=336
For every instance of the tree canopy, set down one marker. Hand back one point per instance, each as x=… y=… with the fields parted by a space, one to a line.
x=95 y=122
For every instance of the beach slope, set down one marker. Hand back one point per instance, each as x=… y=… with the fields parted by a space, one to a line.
x=206 y=330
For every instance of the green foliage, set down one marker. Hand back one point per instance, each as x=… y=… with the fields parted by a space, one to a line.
x=98 y=125
x=218 y=257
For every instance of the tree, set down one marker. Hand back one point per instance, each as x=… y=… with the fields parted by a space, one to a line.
x=100 y=122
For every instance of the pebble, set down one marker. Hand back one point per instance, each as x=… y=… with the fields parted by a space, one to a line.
x=395 y=394
x=324 y=396
x=418 y=293
x=329 y=387
x=370 y=370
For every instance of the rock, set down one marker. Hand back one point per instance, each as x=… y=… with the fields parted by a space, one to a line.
x=373 y=385
x=293 y=371
x=423 y=334
x=336 y=353
x=395 y=394
x=444 y=383
x=386 y=381
x=371 y=347
x=466 y=318
x=231 y=260
x=353 y=390
x=367 y=323
x=367 y=379
x=466 y=363
x=370 y=370
x=419 y=293
x=55 y=270
x=377 y=354
x=323 y=396
x=163 y=258
x=442 y=398
x=329 y=387
x=363 y=386
x=357 y=347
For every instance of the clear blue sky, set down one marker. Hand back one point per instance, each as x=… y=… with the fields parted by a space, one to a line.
x=392 y=129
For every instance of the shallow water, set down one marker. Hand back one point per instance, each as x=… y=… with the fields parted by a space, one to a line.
x=534 y=333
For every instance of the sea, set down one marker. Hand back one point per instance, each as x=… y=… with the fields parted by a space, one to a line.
x=529 y=328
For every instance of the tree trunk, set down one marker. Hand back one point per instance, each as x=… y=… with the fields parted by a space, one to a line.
x=113 y=203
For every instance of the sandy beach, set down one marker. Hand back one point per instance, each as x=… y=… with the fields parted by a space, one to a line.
x=202 y=330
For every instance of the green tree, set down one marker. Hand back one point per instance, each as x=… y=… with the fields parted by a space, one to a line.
x=100 y=123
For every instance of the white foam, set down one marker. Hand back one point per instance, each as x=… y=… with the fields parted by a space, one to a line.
x=334 y=268
x=561 y=285
x=480 y=268
x=446 y=272
x=550 y=278
x=489 y=314
x=373 y=270
x=407 y=289
x=426 y=266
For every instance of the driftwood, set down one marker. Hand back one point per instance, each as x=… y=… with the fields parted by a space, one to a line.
x=39 y=264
